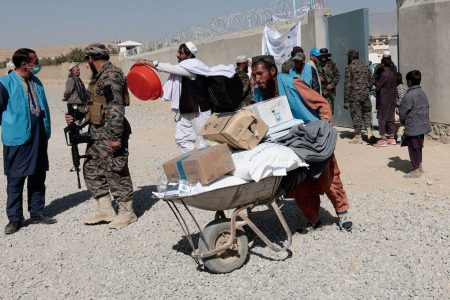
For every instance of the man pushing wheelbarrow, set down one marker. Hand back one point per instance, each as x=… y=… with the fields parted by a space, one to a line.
x=309 y=106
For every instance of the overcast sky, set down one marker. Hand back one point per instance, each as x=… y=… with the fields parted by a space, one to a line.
x=36 y=23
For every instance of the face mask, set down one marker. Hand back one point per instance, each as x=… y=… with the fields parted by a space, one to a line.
x=36 y=69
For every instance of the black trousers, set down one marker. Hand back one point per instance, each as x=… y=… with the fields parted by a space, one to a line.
x=36 y=196
x=415 y=145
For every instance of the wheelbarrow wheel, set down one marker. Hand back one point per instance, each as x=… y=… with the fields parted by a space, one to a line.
x=217 y=233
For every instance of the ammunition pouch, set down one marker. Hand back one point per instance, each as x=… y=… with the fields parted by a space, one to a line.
x=97 y=110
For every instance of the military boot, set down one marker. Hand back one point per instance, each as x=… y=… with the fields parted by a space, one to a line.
x=370 y=136
x=104 y=213
x=356 y=140
x=125 y=216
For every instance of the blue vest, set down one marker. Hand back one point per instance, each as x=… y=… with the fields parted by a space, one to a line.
x=16 y=122
x=300 y=110
x=306 y=74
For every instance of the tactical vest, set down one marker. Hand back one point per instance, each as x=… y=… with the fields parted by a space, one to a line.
x=98 y=106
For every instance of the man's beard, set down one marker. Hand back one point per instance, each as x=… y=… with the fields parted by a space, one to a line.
x=299 y=68
x=94 y=71
x=270 y=89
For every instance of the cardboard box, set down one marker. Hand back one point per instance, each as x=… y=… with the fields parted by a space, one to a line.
x=274 y=111
x=240 y=130
x=204 y=165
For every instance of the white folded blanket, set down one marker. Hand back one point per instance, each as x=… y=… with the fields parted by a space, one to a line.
x=265 y=160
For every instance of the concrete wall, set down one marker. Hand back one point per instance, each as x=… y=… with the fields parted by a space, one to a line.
x=315 y=29
x=424 y=42
x=224 y=50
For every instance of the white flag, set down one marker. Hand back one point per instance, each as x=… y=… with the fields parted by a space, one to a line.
x=280 y=45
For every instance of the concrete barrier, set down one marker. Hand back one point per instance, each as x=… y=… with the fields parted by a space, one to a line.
x=424 y=41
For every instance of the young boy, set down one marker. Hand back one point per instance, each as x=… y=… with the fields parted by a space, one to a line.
x=414 y=114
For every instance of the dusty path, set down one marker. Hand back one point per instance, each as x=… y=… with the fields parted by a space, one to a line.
x=399 y=248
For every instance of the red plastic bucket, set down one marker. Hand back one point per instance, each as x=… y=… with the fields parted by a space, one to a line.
x=144 y=83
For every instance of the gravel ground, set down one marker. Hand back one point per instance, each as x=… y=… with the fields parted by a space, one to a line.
x=399 y=247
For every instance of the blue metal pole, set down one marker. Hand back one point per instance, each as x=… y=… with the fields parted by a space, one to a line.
x=295 y=9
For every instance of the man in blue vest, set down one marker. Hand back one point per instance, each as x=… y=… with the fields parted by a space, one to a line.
x=25 y=121
x=309 y=106
x=303 y=71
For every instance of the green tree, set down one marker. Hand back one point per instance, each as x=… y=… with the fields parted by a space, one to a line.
x=75 y=55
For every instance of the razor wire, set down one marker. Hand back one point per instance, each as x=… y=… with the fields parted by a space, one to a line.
x=278 y=11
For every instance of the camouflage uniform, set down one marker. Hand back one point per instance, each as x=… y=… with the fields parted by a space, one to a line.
x=330 y=75
x=248 y=97
x=287 y=66
x=105 y=170
x=358 y=82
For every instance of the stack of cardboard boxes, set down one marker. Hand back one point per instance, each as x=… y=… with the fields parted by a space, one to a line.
x=243 y=129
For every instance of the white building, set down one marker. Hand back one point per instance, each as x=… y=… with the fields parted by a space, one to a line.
x=129 y=48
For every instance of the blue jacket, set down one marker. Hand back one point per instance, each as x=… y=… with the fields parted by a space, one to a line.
x=16 y=122
x=300 y=110
x=307 y=75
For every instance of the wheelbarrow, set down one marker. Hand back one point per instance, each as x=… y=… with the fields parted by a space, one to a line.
x=223 y=245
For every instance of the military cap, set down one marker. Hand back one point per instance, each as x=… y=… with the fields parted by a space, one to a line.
x=295 y=50
x=299 y=56
x=96 y=50
x=353 y=53
x=324 y=52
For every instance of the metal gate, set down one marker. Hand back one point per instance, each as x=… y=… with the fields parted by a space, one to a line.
x=347 y=31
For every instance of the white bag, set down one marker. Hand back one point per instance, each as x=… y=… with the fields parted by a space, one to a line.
x=265 y=160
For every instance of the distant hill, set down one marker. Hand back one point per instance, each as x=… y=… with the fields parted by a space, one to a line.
x=383 y=23
x=50 y=51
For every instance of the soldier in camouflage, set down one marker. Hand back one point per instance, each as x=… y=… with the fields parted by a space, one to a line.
x=241 y=70
x=106 y=168
x=329 y=76
x=358 y=82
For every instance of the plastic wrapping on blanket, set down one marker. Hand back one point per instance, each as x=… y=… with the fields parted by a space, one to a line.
x=184 y=189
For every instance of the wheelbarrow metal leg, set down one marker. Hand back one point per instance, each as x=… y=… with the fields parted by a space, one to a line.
x=196 y=223
x=284 y=224
x=183 y=225
x=264 y=238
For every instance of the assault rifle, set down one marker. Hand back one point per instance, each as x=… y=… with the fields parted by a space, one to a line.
x=75 y=136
